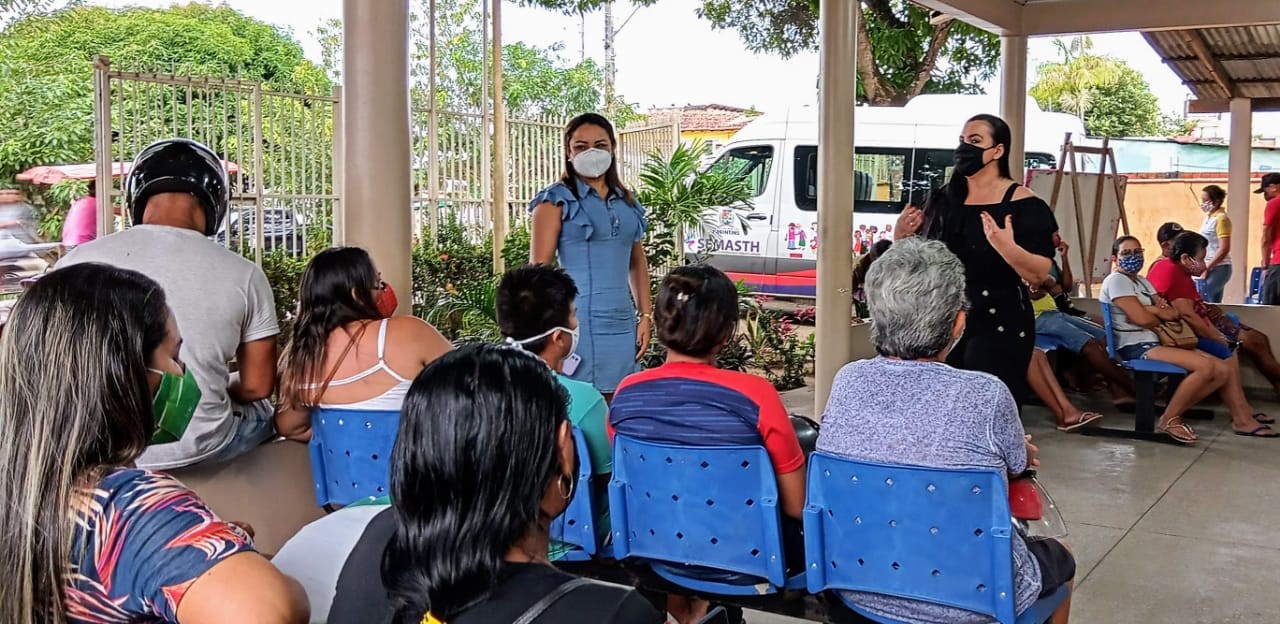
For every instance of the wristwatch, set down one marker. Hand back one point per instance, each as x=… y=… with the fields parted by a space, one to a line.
x=648 y=316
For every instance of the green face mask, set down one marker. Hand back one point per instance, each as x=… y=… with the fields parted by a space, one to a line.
x=175 y=402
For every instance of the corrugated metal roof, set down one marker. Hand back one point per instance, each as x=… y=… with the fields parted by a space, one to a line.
x=1248 y=55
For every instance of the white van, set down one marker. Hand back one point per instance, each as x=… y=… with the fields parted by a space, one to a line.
x=901 y=153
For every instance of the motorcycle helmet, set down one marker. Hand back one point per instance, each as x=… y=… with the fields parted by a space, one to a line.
x=179 y=166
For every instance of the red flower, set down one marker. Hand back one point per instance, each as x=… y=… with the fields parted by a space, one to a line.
x=444 y=257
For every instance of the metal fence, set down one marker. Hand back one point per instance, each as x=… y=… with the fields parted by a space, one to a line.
x=462 y=169
x=279 y=149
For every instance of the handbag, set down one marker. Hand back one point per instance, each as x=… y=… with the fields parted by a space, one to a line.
x=1176 y=334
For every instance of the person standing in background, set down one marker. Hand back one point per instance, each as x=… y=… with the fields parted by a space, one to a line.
x=1217 y=230
x=594 y=227
x=81 y=224
x=1270 y=189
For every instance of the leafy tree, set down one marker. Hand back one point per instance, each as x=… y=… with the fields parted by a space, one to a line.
x=900 y=53
x=537 y=82
x=46 y=69
x=1111 y=98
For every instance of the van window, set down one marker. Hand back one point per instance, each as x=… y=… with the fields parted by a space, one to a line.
x=878 y=177
x=751 y=163
x=933 y=167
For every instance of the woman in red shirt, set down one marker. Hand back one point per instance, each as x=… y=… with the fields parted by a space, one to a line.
x=1171 y=276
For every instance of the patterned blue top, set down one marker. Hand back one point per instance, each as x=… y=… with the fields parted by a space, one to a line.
x=139 y=545
x=928 y=414
x=596 y=237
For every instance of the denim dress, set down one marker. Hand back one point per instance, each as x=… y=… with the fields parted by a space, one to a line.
x=596 y=237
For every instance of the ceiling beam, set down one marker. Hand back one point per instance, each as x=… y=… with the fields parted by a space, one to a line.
x=1224 y=59
x=1196 y=42
x=1247 y=81
x=1002 y=17
x=1260 y=105
x=1096 y=16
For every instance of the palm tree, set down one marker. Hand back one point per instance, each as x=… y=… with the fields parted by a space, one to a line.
x=1068 y=84
x=678 y=193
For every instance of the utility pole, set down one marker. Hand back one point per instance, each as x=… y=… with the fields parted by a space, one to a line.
x=582 y=37
x=610 y=59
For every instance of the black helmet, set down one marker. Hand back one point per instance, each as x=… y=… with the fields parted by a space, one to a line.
x=179 y=166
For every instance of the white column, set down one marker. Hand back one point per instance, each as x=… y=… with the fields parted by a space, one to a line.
x=1239 y=192
x=838 y=28
x=375 y=123
x=1013 y=97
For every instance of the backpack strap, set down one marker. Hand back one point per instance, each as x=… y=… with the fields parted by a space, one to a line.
x=545 y=603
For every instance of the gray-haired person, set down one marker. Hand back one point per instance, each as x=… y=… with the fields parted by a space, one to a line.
x=908 y=407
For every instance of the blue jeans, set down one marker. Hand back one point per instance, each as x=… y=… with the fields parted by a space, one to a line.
x=1072 y=331
x=255 y=424
x=1215 y=282
x=1136 y=351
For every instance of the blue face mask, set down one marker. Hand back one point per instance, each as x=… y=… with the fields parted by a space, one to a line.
x=1131 y=263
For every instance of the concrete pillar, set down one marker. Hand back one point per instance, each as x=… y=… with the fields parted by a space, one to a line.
x=375 y=123
x=1013 y=97
x=1240 y=191
x=838 y=28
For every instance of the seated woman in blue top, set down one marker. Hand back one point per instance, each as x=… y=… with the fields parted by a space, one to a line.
x=689 y=401
x=593 y=225
x=90 y=374
x=908 y=407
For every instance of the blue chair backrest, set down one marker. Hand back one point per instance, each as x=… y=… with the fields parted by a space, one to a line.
x=1111 y=332
x=577 y=524
x=1255 y=284
x=351 y=453
x=941 y=536
x=1201 y=288
x=707 y=506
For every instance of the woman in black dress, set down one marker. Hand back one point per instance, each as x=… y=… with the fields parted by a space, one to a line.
x=1003 y=234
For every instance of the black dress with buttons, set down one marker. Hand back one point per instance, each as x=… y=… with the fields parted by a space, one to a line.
x=1000 y=331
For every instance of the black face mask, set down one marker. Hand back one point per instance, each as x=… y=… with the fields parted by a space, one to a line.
x=968 y=159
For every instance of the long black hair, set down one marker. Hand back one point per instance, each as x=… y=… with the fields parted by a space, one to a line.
x=475 y=454
x=338 y=287
x=1001 y=134
x=697 y=311
x=74 y=402
x=570 y=177
x=941 y=203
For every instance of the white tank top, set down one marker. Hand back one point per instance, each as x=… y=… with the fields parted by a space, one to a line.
x=391 y=400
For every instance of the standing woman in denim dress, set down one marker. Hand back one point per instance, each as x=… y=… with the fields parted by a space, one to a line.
x=594 y=227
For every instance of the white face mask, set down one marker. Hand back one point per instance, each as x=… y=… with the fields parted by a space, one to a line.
x=1206 y=206
x=592 y=163
x=571 y=360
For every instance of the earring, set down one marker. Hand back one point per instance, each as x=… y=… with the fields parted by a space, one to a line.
x=566 y=486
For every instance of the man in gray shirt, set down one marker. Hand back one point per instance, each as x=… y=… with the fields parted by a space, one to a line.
x=177 y=193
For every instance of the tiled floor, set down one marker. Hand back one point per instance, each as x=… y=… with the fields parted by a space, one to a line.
x=1161 y=533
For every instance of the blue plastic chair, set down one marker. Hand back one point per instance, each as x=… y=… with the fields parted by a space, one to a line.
x=1145 y=373
x=703 y=518
x=351 y=454
x=938 y=536
x=1255 y=286
x=576 y=526
x=1201 y=289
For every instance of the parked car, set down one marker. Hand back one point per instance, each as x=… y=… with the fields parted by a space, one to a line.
x=281 y=230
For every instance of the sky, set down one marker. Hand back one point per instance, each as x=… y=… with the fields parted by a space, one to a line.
x=666 y=55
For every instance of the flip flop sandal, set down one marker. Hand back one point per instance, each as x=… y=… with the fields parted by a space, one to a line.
x=1264 y=419
x=1256 y=433
x=1086 y=419
x=1181 y=438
